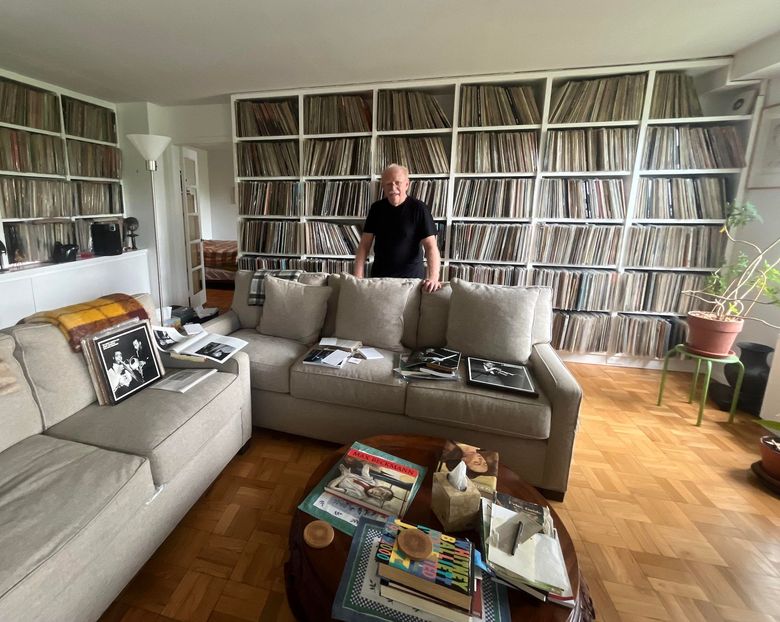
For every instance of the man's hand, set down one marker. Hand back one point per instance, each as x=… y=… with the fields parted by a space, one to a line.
x=431 y=285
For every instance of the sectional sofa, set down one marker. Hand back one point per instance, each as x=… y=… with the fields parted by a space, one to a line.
x=534 y=437
x=88 y=492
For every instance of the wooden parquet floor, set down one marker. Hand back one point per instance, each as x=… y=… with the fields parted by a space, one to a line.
x=667 y=519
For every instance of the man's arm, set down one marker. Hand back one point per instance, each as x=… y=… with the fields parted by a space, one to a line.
x=433 y=259
x=366 y=240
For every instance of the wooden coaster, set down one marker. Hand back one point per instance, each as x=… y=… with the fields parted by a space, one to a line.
x=318 y=534
x=415 y=544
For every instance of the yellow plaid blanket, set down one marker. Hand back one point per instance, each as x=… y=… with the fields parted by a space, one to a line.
x=78 y=321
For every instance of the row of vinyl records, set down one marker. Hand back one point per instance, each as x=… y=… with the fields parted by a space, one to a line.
x=632 y=335
x=21 y=104
x=29 y=242
x=658 y=198
x=577 y=150
x=29 y=152
x=556 y=244
x=27 y=197
x=590 y=100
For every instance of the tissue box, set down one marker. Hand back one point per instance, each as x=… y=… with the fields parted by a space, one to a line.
x=457 y=510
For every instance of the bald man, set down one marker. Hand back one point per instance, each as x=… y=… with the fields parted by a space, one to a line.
x=400 y=227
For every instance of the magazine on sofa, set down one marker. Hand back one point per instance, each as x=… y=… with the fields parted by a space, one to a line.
x=204 y=345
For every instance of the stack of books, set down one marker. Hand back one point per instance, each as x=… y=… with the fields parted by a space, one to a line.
x=430 y=364
x=522 y=550
x=443 y=584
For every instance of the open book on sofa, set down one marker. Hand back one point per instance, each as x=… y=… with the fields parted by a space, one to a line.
x=204 y=345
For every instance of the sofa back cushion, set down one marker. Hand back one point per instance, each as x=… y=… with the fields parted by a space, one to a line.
x=293 y=310
x=435 y=309
x=58 y=376
x=491 y=321
x=19 y=414
x=377 y=311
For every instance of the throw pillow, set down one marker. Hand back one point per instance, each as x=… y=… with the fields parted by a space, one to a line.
x=491 y=321
x=372 y=310
x=293 y=310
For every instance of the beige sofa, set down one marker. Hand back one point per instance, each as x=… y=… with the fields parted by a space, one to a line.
x=88 y=492
x=535 y=437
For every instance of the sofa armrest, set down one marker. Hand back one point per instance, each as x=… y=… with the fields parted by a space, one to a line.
x=224 y=324
x=565 y=395
x=238 y=364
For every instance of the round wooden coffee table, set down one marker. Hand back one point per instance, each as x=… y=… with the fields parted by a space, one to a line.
x=312 y=575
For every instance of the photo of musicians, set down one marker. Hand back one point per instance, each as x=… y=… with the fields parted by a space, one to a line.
x=128 y=361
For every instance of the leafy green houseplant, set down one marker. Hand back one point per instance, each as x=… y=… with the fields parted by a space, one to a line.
x=731 y=294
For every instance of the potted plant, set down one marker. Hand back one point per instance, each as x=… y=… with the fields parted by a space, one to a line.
x=732 y=292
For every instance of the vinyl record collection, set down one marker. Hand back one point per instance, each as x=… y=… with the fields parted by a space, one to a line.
x=658 y=292
x=93 y=198
x=268 y=198
x=33 y=241
x=21 y=104
x=432 y=192
x=497 y=275
x=269 y=236
x=674 y=96
x=682 y=197
x=582 y=198
x=424 y=154
x=617 y=98
x=29 y=152
x=331 y=266
x=489 y=242
x=88 y=120
x=338 y=198
x=674 y=246
x=691 y=147
x=587 y=245
x=332 y=114
x=27 y=197
x=337 y=156
x=489 y=105
x=578 y=290
x=268 y=159
x=327 y=238
x=500 y=152
x=493 y=198
x=410 y=110
x=93 y=160
x=592 y=149
x=267 y=118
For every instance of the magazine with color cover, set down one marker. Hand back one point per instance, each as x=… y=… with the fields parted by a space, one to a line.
x=341 y=510
x=430 y=364
x=203 y=345
x=481 y=465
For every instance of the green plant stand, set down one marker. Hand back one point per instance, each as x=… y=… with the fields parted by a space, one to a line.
x=709 y=360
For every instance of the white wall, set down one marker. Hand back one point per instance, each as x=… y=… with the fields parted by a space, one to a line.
x=224 y=210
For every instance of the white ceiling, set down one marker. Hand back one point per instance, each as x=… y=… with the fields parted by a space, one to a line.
x=189 y=51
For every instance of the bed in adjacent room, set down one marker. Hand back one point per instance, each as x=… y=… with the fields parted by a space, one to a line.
x=220 y=259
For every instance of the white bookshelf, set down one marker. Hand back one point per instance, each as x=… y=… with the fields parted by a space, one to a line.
x=544 y=85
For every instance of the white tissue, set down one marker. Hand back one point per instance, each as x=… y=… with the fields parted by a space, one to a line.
x=457 y=477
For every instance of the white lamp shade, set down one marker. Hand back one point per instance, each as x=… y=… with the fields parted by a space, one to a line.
x=149 y=146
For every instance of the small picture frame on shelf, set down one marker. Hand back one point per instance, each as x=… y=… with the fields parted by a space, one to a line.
x=765 y=168
x=502 y=376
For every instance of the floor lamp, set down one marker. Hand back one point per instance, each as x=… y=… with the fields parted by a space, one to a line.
x=151 y=147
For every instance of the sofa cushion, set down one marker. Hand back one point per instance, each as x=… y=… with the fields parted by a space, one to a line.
x=270 y=359
x=434 y=312
x=167 y=428
x=372 y=310
x=19 y=414
x=491 y=321
x=369 y=384
x=58 y=376
x=293 y=310
x=456 y=403
x=56 y=497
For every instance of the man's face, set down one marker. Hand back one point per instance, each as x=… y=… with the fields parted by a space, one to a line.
x=117 y=357
x=395 y=183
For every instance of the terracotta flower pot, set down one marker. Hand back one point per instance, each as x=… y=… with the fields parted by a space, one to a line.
x=712 y=337
x=770 y=457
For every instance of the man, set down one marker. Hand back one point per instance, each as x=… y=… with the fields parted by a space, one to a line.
x=398 y=225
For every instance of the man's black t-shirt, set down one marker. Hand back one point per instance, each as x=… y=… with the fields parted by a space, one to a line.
x=398 y=231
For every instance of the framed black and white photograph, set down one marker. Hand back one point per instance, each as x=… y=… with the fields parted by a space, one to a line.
x=504 y=376
x=128 y=360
